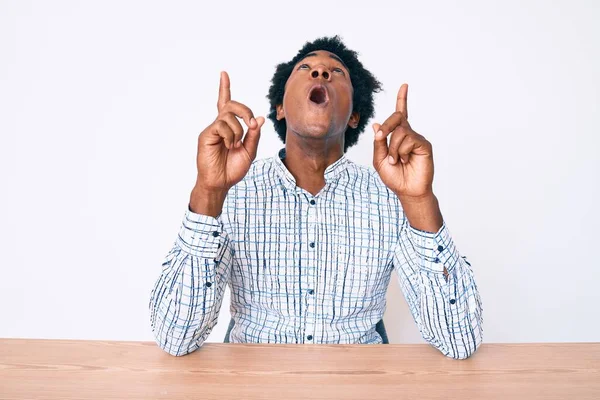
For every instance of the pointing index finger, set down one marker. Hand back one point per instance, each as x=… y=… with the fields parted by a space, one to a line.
x=224 y=90
x=401 y=100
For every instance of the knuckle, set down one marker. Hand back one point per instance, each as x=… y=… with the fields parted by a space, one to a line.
x=420 y=139
x=247 y=114
x=396 y=140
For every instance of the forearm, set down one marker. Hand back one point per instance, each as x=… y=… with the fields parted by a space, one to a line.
x=187 y=296
x=440 y=289
x=452 y=311
x=182 y=309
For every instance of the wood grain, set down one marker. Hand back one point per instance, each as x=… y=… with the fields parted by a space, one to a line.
x=61 y=369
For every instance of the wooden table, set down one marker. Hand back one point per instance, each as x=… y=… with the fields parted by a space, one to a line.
x=60 y=369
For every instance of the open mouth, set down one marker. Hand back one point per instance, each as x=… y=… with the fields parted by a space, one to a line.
x=318 y=95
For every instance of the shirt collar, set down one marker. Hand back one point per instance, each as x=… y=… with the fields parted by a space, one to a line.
x=332 y=172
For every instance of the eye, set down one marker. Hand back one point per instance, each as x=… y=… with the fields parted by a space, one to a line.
x=303 y=66
x=338 y=70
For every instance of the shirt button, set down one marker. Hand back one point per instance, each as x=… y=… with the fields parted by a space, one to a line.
x=309 y=337
x=312 y=244
x=208 y=284
x=440 y=248
x=311 y=291
x=215 y=233
x=312 y=202
x=452 y=301
x=437 y=260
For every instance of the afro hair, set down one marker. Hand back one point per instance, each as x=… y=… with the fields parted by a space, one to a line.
x=363 y=82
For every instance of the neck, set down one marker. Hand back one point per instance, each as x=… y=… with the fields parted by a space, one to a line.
x=307 y=160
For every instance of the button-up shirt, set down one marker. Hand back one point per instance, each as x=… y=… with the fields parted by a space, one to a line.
x=306 y=268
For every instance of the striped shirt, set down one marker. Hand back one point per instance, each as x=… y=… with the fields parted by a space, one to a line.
x=312 y=269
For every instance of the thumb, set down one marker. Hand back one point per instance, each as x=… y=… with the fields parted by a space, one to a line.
x=380 y=147
x=252 y=137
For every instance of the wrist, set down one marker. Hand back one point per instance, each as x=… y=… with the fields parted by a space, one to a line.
x=207 y=201
x=426 y=198
x=423 y=212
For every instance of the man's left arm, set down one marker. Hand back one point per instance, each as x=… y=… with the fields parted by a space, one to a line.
x=437 y=283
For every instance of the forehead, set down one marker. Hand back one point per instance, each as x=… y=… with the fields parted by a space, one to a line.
x=323 y=54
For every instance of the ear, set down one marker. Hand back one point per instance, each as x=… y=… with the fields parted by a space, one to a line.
x=280 y=112
x=354 y=119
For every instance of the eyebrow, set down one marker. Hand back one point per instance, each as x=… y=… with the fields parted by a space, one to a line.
x=330 y=55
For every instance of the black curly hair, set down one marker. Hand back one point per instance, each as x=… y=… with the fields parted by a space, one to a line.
x=363 y=82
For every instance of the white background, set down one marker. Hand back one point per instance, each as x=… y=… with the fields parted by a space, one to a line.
x=101 y=104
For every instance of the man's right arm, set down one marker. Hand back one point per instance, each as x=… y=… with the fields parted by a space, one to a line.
x=187 y=297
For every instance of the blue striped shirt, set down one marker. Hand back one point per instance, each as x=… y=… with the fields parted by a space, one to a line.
x=312 y=269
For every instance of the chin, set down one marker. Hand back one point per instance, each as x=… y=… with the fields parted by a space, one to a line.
x=317 y=130
x=316 y=127
x=313 y=131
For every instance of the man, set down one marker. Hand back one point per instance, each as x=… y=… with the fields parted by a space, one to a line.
x=307 y=240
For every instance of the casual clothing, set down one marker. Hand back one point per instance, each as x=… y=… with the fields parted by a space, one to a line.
x=312 y=269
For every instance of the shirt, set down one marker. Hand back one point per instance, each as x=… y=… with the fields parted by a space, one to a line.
x=312 y=269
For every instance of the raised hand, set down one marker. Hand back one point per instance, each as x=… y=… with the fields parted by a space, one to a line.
x=406 y=164
x=224 y=152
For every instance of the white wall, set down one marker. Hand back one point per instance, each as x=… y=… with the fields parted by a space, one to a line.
x=101 y=105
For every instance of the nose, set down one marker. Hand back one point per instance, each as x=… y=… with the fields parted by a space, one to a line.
x=320 y=70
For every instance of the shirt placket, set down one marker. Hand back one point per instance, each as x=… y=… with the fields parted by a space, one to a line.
x=310 y=276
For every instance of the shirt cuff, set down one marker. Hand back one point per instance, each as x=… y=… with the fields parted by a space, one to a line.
x=200 y=235
x=435 y=250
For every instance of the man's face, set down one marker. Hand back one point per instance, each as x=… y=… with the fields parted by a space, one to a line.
x=317 y=102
